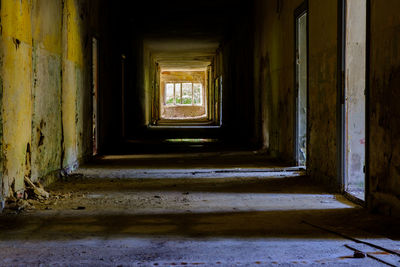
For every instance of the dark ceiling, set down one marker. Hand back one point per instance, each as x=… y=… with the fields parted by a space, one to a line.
x=181 y=33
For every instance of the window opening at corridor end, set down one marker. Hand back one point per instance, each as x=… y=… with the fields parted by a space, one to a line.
x=183 y=94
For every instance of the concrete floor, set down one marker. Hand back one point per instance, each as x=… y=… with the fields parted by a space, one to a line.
x=194 y=210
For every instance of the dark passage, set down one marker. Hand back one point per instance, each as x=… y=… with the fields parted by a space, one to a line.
x=199 y=133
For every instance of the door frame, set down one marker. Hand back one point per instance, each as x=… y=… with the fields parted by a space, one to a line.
x=95 y=88
x=300 y=11
x=341 y=107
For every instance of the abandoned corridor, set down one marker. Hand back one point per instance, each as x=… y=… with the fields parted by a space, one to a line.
x=213 y=132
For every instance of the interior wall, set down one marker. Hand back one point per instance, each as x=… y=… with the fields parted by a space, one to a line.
x=384 y=118
x=323 y=60
x=216 y=72
x=16 y=51
x=275 y=88
x=46 y=87
x=134 y=93
x=76 y=82
x=112 y=46
x=142 y=81
x=234 y=62
x=274 y=76
x=149 y=86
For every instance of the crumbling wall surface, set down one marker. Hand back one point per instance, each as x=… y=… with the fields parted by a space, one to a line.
x=76 y=93
x=384 y=117
x=45 y=81
x=16 y=49
x=46 y=87
x=72 y=64
x=274 y=75
x=322 y=128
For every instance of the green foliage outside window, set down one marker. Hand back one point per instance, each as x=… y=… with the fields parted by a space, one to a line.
x=183 y=94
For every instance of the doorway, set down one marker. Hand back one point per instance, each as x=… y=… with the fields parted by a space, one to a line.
x=95 y=93
x=218 y=100
x=301 y=84
x=354 y=97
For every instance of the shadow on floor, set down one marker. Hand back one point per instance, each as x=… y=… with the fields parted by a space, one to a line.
x=287 y=185
x=271 y=224
x=243 y=159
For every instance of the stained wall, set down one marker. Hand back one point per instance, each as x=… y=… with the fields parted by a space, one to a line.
x=323 y=124
x=384 y=116
x=45 y=69
x=274 y=79
x=274 y=76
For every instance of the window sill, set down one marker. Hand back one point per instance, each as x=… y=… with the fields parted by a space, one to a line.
x=183 y=105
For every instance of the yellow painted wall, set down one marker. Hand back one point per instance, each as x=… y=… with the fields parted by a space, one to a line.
x=16 y=49
x=46 y=87
x=76 y=82
x=45 y=79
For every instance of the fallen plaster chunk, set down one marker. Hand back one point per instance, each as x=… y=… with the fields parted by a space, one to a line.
x=36 y=192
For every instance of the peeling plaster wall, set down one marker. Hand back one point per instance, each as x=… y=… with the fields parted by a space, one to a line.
x=76 y=93
x=16 y=49
x=384 y=117
x=46 y=87
x=275 y=88
x=71 y=80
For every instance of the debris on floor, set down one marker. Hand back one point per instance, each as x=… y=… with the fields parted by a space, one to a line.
x=34 y=194
x=359 y=254
x=35 y=191
x=17 y=206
